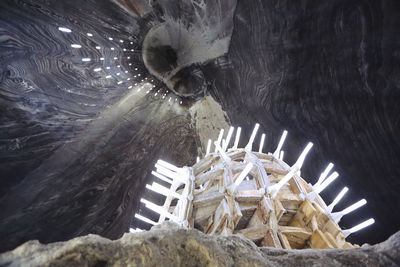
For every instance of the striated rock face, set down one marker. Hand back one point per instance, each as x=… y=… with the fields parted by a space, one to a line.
x=77 y=148
x=170 y=245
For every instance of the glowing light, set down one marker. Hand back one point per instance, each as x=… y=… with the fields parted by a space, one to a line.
x=353 y=207
x=280 y=144
x=126 y=71
x=119 y=82
x=112 y=48
x=98 y=47
x=102 y=58
x=358 y=227
x=118 y=74
x=128 y=79
x=163 y=190
x=64 y=29
x=276 y=187
x=221 y=134
x=131 y=42
x=337 y=199
x=161 y=177
x=144 y=219
x=323 y=175
x=135 y=68
x=128 y=57
x=300 y=161
x=108 y=76
x=130 y=64
x=124 y=49
x=121 y=41
x=238 y=131
x=228 y=138
x=158 y=209
x=261 y=143
x=118 y=66
x=76 y=46
x=132 y=50
x=89 y=34
x=197 y=159
x=107 y=68
x=252 y=137
x=244 y=173
x=86 y=59
x=168 y=165
x=115 y=58
x=110 y=38
x=97 y=69
x=131 y=230
x=129 y=87
x=281 y=155
x=327 y=182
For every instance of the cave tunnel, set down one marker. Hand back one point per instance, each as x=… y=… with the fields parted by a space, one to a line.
x=93 y=93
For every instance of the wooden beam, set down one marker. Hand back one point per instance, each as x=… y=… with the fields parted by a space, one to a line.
x=319 y=240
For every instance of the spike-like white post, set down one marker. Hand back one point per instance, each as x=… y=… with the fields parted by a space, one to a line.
x=197 y=159
x=280 y=144
x=243 y=174
x=337 y=199
x=161 y=177
x=221 y=134
x=228 y=138
x=358 y=227
x=323 y=175
x=232 y=188
x=336 y=216
x=163 y=190
x=158 y=209
x=252 y=137
x=144 y=219
x=238 y=131
x=327 y=182
x=223 y=154
x=281 y=155
x=208 y=147
x=300 y=161
x=173 y=175
x=168 y=165
x=261 y=143
x=274 y=189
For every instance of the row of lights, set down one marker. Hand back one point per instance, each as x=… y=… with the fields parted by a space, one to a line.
x=98 y=69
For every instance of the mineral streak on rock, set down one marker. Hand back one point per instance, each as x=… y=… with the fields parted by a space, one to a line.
x=170 y=245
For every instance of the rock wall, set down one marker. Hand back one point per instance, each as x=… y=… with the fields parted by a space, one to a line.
x=169 y=245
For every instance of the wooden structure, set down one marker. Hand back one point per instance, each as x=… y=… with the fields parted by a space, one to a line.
x=248 y=193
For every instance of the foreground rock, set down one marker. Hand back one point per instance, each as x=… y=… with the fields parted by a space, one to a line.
x=169 y=245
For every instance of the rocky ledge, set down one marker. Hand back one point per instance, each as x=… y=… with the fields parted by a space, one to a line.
x=170 y=245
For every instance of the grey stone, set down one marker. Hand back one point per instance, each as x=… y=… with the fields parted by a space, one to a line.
x=170 y=245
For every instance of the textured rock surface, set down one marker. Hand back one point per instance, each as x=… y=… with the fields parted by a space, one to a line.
x=76 y=148
x=169 y=245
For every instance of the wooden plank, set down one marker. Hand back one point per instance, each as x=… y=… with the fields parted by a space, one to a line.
x=249 y=196
x=221 y=214
x=255 y=234
x=271 y=239
x=208 y=198
x=319 y=241
x=284 y=241
x=332 y=227
x=204 y=164
x=289 y=200
x=213 y=174
x=331 y=239
x=304 y=214
x=297 y=236
x=235 y=212
x=279 y=209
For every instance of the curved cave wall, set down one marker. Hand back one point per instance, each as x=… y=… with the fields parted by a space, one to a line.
x=76 y=147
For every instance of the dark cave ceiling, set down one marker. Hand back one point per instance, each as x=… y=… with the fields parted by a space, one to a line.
x=79 y=139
